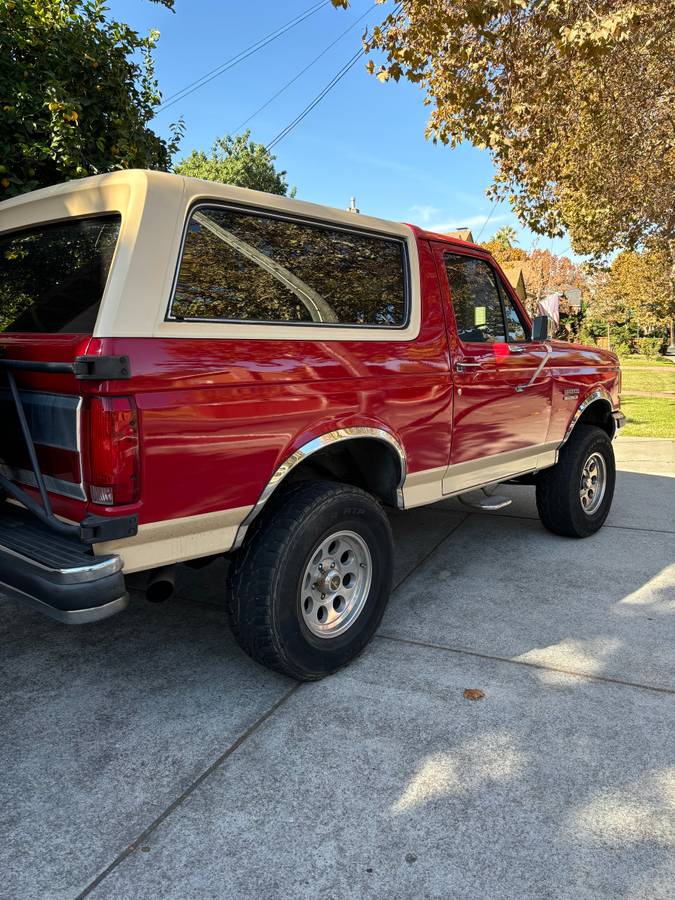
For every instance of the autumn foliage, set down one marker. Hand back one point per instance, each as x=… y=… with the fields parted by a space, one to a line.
x=574 y=100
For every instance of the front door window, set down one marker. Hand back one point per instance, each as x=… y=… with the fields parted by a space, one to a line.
x=475 y=300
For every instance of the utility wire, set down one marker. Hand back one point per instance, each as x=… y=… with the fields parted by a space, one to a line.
x=240 y=57
x=322 y=93
x=303 y=70
x=494 y=207
x=319 y=97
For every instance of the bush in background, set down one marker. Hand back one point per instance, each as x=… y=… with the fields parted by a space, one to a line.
x=649 y=346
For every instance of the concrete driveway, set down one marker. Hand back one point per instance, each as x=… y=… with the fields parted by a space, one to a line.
x=146 y=757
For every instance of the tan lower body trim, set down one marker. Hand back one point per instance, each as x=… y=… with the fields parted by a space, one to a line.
x=423 y=487
x=490 y=469
x=431 y=485
x=175 y=540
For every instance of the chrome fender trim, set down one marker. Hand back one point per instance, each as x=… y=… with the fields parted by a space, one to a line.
x=307 y=450
x=595 y=395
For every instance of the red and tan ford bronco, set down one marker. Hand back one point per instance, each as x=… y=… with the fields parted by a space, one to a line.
x=191 y=369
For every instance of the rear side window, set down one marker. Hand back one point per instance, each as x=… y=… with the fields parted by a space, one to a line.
x=250 y=267
x=52 y=278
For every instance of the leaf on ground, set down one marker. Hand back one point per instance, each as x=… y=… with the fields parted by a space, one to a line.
x=473 y=694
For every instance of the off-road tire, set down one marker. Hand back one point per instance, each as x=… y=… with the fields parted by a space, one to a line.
x=264 y=598
x=558 y=501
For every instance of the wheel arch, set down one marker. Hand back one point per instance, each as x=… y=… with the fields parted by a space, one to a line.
x=595 y=409
x=365 y=456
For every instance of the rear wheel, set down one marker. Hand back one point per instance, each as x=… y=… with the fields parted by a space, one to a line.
x=310 y=586
x=574 y=496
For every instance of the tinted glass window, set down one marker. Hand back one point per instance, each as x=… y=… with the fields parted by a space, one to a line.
x=475 y=299
x=250 y=267
x=52 y=278
x=515 y=328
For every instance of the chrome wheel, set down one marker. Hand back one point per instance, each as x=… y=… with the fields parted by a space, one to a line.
x=336 y=583
x=593 y=483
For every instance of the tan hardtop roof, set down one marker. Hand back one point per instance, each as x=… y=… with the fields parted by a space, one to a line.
x=149 y=182
x=154 y=207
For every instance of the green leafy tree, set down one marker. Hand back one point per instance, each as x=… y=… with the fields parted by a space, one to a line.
x=573 y=99
x=239 y=161
x=505 y=237
x=77 y=93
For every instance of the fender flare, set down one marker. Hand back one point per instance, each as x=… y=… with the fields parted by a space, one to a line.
x=598 y=394
x=307 y=450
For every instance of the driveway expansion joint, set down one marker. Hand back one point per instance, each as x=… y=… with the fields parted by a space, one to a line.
x=430 y=552
x=503 y=515
x=605 y=679
x=172 y=807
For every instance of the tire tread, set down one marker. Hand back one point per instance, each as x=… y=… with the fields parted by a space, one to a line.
x=253 y=571
x=554 y=490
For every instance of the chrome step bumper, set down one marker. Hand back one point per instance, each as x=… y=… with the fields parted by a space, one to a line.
x=56 y=574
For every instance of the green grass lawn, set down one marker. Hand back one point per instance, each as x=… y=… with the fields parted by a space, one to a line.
x=644 y=361
x=648 y=417
x=663 y=380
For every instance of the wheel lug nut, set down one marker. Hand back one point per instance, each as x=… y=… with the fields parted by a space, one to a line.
x=323 y=596
x=332 y=565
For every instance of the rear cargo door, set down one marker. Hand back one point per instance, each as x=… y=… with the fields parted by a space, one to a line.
x=52 y=279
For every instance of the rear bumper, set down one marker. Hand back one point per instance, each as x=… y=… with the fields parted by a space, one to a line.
x=54 y=574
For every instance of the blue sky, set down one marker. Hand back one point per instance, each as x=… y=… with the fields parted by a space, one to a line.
x=365 y=139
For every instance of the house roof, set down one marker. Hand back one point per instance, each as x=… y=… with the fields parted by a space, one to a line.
x=515 y=272
x=463 y=234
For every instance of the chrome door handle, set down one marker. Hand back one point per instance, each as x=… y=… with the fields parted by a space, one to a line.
x=514 y=348
x=461 y=366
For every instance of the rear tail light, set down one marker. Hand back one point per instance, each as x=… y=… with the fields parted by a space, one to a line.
x=113 y=451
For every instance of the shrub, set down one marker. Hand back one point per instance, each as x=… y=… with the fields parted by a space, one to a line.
x=621 y=348
x=623 y=335
x=585 y=337
x=649 y=346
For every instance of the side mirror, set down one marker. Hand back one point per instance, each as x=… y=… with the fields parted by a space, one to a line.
x=541 y=328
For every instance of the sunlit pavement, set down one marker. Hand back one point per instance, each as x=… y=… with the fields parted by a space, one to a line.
x=146 y=757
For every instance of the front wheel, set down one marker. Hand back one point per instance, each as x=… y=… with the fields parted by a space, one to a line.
x=310 y=586
x=574 y=496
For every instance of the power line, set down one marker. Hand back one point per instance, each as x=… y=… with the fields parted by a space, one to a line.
x=322 y=93
x=240 y=57
x=494 y=207
x=319 y=97
x=303 y=70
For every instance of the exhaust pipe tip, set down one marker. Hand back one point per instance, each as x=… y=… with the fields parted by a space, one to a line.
x=161 y=584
